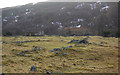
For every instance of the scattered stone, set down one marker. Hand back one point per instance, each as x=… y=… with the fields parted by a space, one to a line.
x=19 y=45
x=13 y=49
x=40 y=48
x=24 y=51
x=73 y=41
x=83 y=41
x=103 y=42
x=57 y=52
x=96 y=44
x=3 y=74
x=33 y=68
x=101 y=45
x=74 y=64
x=57 y=49
x=51 y=50
x=41 y=55
x=4 y=42
x=31 y=40
x=68 y=46
x=64 y=54
x=37 y=48
x=89 y=43
x=61 y=40
x=4 y=55
x=19 y=42
x=21 y=54
x=48 y=72
x=64 y=48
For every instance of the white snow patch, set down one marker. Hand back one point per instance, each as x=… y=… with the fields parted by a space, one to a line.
x=16 y=16
x=4 y=20
x=6 y=17
x=106 y=7
x=27 y=9
x=60 y=26
x=27 y=13
x=80 y=20
x=80 y=5
x=62 y=8
x=106 y=25
x=34 y=3
x=12 y=14
x=72 y=22
x=94 y=5
x=99 y=2
x=52 y=22
x=16 y=20
x=69 y=13
x=58 y=23
x=78 y=26
x=91 y=5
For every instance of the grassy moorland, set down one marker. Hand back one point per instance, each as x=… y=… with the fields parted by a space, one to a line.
x=20 y=53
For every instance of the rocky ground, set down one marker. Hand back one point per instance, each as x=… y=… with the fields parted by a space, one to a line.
x=58 y=54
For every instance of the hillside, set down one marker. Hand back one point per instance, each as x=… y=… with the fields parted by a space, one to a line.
x=51 y=18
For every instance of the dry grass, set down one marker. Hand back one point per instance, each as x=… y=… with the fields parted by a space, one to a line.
x=91 y=58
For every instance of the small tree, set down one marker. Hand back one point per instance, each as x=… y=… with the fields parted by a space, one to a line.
x=8 y=34
x=106 y=33
x=69 y=32
x=117 y=34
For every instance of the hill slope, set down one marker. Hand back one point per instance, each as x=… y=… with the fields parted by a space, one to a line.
x=51 y=18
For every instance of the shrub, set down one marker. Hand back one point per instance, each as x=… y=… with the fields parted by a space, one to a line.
x=106 y=33
x=8 y=34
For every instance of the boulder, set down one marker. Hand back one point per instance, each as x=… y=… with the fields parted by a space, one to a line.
x=64 y=48
x=103 y=42
x=24 y=51
x=64 y=54
x=48 y=72
x=57 y=52
x=21 y=54
x=74 y=64
x=83 y=41
x=33 y=68
x=4 y=55
x=4 y=42
x=57 y=49
x=68 y=46
x=73 y=41
x=51 y=50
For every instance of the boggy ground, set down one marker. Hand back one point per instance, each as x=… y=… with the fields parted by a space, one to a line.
x=19 y=53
